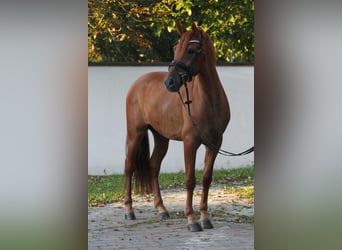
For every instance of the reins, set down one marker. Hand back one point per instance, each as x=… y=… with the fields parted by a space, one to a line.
x=186 y=74
x=205 y=140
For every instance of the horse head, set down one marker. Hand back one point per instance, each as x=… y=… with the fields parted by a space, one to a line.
x=189 y=57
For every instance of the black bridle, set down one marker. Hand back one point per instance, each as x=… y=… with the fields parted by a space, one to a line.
x=186 y=72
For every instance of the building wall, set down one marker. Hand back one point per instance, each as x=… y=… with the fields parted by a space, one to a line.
x=107 y=88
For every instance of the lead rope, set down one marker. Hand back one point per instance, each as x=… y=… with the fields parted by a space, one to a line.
x=186 y=105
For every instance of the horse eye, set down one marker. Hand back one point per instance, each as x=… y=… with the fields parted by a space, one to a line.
x=190 y=51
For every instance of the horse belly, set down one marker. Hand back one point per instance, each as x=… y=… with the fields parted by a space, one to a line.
x=164 y=117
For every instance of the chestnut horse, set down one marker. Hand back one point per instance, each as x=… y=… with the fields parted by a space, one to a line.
x=151 y=104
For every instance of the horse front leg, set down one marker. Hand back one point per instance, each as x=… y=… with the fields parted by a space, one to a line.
x=209 y=160
x=190 y=149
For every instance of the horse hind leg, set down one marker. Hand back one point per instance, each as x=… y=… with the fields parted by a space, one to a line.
x=161 y=145
x=133 y=143
x=129 y=212
x=129 y=170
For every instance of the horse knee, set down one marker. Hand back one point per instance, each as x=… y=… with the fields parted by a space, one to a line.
x=206 y=181
x=190 y=184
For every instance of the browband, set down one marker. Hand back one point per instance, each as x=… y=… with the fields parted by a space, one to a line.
x=194 y=41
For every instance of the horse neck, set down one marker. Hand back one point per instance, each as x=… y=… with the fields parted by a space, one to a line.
x=209 y=82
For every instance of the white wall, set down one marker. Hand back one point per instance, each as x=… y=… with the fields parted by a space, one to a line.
x=107 y=88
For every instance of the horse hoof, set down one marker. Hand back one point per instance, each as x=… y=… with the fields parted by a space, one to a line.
x=164 y=215
x=130 y=216
x=206 y=224
x=195 y=227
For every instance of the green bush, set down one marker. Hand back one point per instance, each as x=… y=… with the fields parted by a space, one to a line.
x=145 y=31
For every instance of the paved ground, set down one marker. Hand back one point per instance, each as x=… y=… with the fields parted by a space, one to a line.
x=232 y=219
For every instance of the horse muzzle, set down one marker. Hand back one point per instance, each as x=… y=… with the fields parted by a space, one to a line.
x=173 y=82
x=180 y=74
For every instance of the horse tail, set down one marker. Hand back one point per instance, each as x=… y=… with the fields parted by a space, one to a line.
x=142 y=171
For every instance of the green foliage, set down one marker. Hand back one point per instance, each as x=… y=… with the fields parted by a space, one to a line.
x=145 y=30
x=231 y=27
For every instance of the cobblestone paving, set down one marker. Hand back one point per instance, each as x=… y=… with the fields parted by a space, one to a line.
x=107 y=228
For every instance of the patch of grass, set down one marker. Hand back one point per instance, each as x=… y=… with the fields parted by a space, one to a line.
x=238 y=176
x=171 y=180
x=106 y=189
x=234 y=176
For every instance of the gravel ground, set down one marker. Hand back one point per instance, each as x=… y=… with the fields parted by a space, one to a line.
x=232 y=217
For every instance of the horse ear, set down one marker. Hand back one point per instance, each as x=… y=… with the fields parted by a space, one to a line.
x=193 y=26
x=180 y=28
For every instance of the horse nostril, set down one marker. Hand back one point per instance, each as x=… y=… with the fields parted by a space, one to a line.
x=170 y=82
